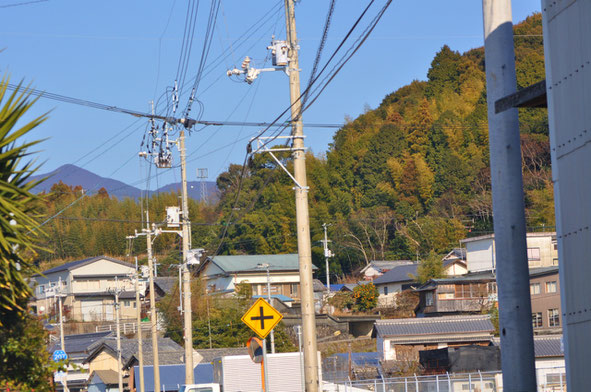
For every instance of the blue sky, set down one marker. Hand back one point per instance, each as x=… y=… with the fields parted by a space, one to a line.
x=125 y=53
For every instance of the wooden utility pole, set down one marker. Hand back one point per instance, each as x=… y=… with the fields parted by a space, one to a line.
x=138 y=311
x=186 y=233
x=301 y=201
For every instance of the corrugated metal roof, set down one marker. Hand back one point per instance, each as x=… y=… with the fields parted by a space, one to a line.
x=240 y=263
x=360 y=359
x=398 y=274
x=434 y=325
x=173 y=376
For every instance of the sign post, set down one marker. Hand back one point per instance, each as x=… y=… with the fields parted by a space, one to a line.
x=261 y=318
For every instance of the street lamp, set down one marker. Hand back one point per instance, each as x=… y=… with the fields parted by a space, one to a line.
x=266 y=266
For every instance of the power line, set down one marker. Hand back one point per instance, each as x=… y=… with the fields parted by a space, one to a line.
x=23 y=3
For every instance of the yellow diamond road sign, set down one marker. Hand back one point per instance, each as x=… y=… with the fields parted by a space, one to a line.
x=262 y=318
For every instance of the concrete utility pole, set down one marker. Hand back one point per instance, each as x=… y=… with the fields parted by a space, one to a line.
x=517 y=351
x=302 y=217
x=62 y=344
x=153 y=320
x=119 y=364
x=186 y=273
x=138 y=311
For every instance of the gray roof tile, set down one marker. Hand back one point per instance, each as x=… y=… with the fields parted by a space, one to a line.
x=398 y=274
x=434 y=325
x=78 y=263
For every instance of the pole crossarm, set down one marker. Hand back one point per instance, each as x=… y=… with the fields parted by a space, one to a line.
x=262 y=147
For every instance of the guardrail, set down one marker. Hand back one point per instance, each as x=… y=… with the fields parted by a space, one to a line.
x=125 y=328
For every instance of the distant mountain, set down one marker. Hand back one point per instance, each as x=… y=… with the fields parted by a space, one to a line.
x=73 y=175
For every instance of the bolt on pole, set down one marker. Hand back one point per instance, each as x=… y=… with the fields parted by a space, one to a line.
x=302 y=214
x=517 y=351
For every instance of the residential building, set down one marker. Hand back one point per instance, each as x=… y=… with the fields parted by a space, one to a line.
x=378 y=268
x=544 y=288
x=223 y=273
x=454 y=263
x=87 y=287
x=402 y=339
x=78 y=347
x=403 y=277
x=471 y=293
x=475 y=292
x=542 y=251
x=393 y=282
x=103 y=381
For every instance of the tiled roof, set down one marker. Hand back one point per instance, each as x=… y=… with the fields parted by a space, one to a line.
x=79 y=263
x=434 y=325
x=318 y=285
x=398 y=274
x=166 y=283
x=78 y=346
x=543 y=271
x=108 y=377
x=544 y=345
x=381 y=265
x=129 y=348
x=173 y=376
x=242 y=263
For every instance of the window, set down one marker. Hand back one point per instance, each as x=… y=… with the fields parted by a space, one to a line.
x=554 y=378
x=536 y=319
x=127 y=303
x=385 y=290
x=533 y=254
x=551 y=287
x=553 y=318
x=41 y=289
x=534 y=288
x=429 y=298
x=555 y=261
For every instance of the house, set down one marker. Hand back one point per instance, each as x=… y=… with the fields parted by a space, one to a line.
x=549 y=361
x=78 y=347
x=378 y=268
x=475 y=292
x=103 y=355
x=87 y=287
x=542 y=251
x=402 y=339
x=393 y=282
x=454 y=263
x=544 y=289
x=223 y=273
x=163 y=285
x=471 y=293
x=103 y=381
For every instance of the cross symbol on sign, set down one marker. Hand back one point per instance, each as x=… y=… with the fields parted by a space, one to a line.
x=262 y=317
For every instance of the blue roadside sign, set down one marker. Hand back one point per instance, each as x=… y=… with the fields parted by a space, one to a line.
x=59 y=355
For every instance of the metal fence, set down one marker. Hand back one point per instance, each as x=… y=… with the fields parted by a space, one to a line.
x=550 y=379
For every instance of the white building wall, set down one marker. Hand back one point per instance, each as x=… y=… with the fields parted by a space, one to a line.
x=480 y=255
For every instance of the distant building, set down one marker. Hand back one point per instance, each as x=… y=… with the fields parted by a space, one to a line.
x=402 y=339
x=223 y=273
x=87 y=286
x=474 y=292
x=379 y=268
x=542 y=251
x=393 y=282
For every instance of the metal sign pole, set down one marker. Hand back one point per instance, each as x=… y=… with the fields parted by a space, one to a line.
x=265 y=370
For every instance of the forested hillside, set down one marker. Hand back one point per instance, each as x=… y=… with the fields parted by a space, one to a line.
x=400 y=180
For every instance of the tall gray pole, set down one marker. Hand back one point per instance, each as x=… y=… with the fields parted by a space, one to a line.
x=269 y=299
x=62 y=344
x=138 y=311
x=301 y=196
x=119 y=364
x=186 y=274
x=153 y=320
x=265 y=368
x=517 y=350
